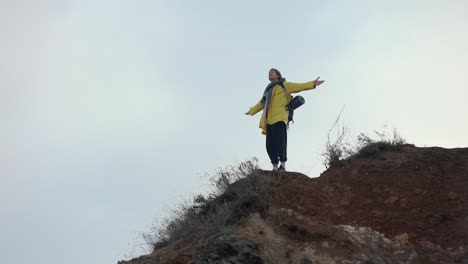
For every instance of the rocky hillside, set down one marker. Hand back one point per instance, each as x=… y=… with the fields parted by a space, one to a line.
x=406 y=205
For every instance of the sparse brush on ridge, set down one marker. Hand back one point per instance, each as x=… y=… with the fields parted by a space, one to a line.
x=236 y=191
x=338 y=148
x=341 y=149
x=366 y=146
x=369 y=147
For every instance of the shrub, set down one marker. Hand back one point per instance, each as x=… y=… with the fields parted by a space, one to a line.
x=369 y=147
x=366 y=146
x=236 y=191
x=338 y=148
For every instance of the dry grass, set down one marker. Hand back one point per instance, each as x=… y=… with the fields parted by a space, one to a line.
x=370 y=147
x=236 y=192
x=338 y=148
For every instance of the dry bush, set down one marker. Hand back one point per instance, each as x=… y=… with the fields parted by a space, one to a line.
x=337 y=148
x=370 y=147
x=236 y=192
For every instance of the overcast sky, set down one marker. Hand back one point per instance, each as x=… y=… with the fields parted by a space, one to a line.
x=112 y=111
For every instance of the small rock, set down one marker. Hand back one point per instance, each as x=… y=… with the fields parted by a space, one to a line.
x=421 y=225
x=427 y=244
x=418 y=191
x=376 y=190
x=412 y=256
x=404 y=203
x=402 y=240
x=452 y=195
x=299 y=216
x=344 y=203
x=306 y=260
x=376 y=213
x=390 y=201
x=338 y=213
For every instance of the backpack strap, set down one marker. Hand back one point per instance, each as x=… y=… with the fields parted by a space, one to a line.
x=285 y=94
x=284 y=89
x=290 y=111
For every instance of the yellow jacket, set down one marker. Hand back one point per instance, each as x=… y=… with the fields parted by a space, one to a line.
x=279 y=100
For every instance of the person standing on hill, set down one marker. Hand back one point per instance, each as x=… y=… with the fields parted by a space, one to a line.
x=274 y=120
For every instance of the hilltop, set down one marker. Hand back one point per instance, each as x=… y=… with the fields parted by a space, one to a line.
x=400 y=205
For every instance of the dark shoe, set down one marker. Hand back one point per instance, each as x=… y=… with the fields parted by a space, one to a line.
x=281 y=168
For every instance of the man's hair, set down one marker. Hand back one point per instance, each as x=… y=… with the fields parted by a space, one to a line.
x=277 y=73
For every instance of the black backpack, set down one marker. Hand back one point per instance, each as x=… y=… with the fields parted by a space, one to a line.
x=293 y=104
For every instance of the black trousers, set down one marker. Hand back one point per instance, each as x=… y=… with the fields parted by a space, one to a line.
x=276 y=142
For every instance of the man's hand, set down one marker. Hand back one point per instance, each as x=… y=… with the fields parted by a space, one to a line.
x=318 y=82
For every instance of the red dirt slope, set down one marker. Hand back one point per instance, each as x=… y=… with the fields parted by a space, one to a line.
x=419 y=191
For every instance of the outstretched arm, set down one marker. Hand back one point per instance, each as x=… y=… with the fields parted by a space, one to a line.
x=299 y=87
x=255 y=109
